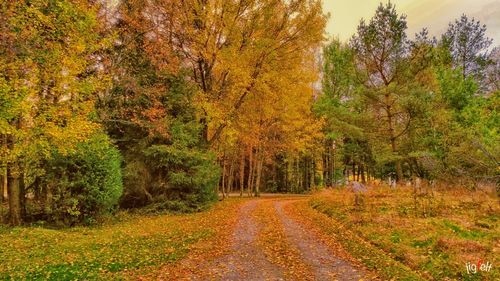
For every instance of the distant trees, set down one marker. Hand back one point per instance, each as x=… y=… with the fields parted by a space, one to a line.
x=344 y=114
x=253 y=64
x=194 y=94
x=231 y=78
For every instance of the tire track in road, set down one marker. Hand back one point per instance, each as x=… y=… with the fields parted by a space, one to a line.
x=325 y=264
x=246 y=261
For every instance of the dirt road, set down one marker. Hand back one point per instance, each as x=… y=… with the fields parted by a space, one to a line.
x=251 y=259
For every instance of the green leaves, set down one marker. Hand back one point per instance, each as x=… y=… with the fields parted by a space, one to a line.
x=85 y=183
x=381 y=44
x=467 y=42
x=416 y=104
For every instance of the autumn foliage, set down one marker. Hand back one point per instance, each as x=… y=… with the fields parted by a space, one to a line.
x=207 y=98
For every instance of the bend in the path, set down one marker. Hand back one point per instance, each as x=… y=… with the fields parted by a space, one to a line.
x=326 y=265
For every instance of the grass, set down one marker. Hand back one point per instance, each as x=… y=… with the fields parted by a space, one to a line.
x=376 y=260
x=433 y=233
x=111 y=251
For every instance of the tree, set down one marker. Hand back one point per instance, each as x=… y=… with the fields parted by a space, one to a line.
x=47 y=85
x=151 y=114
x=467 y=42
x=234 y=51
x=277 y=122
x=492 y=80
x=82 y=185
x=230 y=45
x=381 y=48
x=379 y=98
x=339 y=105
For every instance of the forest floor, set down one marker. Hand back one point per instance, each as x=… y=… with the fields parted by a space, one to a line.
x=326 y=236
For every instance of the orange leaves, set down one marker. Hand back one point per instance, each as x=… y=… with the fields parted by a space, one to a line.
x=276 y=246
x=219 y=222
x=253 y=62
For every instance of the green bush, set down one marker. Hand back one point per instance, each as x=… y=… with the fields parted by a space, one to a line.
x=190 y=174
x=85 y=184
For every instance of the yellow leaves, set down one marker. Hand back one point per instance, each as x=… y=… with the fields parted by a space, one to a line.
x=49 y=92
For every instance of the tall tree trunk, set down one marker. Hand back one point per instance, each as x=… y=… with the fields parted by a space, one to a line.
x=14 y=186
x=3 y=192
x=326 y=168
x=362 y=170
x=204 y=131
x=23 y=196
x=242 y=173
x=223 y=178
x=399 y=169
x=392 y=136
x=297 y=173
x=255 y=165
x=4 y=185
x=259 y=175
x=331 y=160
x=288 y=179
x=313 y=173
x=331 y=165
x=4 y=189
x=334 y=174
x=14 y=190
x=231 y=177
x=250 y=171
x=353 y=170
x=305 y=174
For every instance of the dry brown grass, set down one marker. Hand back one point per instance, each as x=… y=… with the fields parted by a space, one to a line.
x=433 y=230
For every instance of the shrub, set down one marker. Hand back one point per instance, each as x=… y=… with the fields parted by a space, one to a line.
x=168 y=164
x=175 y=178
x=190 y=172
x=84 y=184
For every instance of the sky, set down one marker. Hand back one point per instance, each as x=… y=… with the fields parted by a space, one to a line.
x=433 y=14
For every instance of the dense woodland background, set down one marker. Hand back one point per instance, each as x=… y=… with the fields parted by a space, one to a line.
x=166 y=104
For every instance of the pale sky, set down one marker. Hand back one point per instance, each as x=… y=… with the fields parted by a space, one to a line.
x=433 y=14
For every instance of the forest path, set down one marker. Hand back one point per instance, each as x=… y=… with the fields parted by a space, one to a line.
x=325 y=263
x=245 y=261
x=269 y=242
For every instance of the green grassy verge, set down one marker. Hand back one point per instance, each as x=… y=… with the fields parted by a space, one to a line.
x=110 y=251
